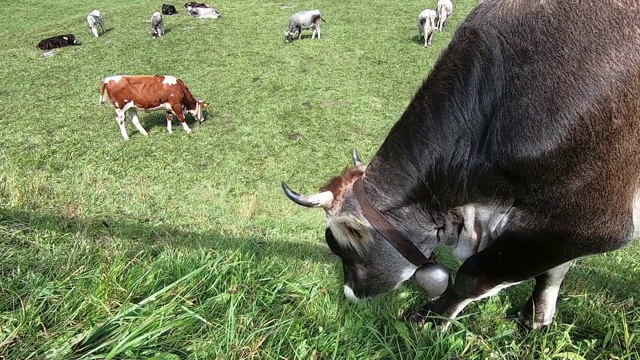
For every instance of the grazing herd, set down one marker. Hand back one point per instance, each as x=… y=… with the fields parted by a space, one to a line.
x=127 y=93
x=519 y=152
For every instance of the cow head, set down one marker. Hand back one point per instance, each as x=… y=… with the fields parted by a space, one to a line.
x=371 y=265
x=71 y=39
x=197 y=112
x=288 y=36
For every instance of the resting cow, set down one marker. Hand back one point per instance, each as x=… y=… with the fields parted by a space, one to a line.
x=58 y=42
x=168 y=9
x=193 y=5
x=444 y=9
x=303 y=20
x=150 y=92
x=96 y=23
x=204 y=13
x=427 y=25
x=520 y=152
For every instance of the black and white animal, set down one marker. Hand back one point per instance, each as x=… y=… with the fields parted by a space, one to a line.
x=193 y=5
x=299 y=21
x=519 y=152
x=427 y=25
x=204 y=13
x=58 y=42
x=168 y=9
x=444 y=9
x=157 y=25
x=96 y=23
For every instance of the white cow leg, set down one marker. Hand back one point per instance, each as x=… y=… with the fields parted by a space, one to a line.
x=94 y=30
x=540 y=309
x=120 y=120
x=169 y=118
x=318 y=32
x=133 y=114
x=186 y=127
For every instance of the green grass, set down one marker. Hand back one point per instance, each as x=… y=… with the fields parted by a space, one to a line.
x=183 y=246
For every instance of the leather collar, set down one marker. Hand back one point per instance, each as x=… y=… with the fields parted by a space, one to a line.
x=407 y=248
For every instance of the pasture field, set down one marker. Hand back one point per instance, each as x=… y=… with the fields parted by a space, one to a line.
x=183 y=246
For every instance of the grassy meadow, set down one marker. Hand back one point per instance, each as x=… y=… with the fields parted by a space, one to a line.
x=183 y=246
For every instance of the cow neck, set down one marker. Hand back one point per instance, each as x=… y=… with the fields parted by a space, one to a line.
x=405 y=246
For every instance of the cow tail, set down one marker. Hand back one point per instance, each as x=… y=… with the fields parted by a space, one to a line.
x=103 y=92
x=321 y=18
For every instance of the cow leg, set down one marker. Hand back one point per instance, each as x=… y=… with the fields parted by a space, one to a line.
x=427 y=39
x=133 y=115
x=120 y=117
x=169 y=118
x=541 y=306
x=515 y=257
x=177 y=109
x=94 y=30
x=319 y=31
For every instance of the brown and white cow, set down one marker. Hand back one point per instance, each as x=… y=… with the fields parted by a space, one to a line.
x=150 y=92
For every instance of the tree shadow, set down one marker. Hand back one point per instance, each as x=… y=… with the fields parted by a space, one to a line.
x=142 y=234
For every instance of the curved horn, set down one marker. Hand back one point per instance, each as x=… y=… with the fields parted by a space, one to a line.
x=323 y=199
x=356 y=158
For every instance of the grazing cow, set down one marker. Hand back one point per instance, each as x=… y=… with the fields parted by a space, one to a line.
x=95 y=21
x=303 y=20
x=520 y=152
x=58 y=42
x=427 y=25
x=444 y=9
x=150 y=92
x=204 y=13
x=157 y=25
x=168 y=9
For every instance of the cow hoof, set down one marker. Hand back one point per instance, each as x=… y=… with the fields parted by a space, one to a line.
x=528 y=321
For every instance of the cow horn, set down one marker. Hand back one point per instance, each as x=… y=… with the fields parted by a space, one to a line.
x=323 y=199
x=356 y=158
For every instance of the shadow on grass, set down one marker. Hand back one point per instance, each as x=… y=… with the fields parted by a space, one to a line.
x=150 y=120
x=142 y=234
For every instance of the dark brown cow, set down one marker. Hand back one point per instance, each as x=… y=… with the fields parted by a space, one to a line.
x=520 y=152
x=150 y=92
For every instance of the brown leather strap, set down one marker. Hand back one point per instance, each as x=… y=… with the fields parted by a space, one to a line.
x=408 y=249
